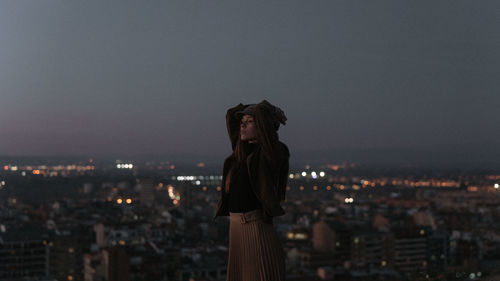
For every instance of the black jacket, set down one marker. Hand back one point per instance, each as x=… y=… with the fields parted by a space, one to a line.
x=268 y=173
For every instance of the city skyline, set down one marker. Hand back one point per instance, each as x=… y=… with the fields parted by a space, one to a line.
x=68 y=222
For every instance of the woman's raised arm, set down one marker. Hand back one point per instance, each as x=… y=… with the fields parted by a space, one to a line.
x=233 y=124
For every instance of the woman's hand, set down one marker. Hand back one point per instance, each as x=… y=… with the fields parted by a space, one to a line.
x=233 y=123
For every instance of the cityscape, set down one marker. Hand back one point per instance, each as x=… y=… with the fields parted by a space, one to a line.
x=126 y=220
x=181 y=140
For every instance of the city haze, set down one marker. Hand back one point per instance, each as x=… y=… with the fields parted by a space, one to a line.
x=358 y=81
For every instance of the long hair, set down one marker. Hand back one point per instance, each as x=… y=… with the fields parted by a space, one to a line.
x=267 y=137
x=241 y=152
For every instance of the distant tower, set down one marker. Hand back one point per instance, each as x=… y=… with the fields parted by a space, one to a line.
x=323 y=237
x=146 y=193
x=100 y=235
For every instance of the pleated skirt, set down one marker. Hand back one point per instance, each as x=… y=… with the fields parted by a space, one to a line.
x=255 y=250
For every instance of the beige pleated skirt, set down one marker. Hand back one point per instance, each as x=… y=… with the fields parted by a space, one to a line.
x=255 y=250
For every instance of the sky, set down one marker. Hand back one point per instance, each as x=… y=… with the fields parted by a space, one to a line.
x=156 y=77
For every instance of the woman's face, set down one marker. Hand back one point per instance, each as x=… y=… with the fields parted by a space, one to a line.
x=248 y=131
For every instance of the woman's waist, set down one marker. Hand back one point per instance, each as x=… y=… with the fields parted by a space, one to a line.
x=247 y=216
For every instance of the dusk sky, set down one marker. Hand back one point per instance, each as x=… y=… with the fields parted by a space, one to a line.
x=156 y=77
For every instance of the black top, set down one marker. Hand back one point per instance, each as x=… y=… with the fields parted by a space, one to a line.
x=241 y=195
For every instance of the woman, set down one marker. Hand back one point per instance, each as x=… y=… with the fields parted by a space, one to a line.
x=254 y=182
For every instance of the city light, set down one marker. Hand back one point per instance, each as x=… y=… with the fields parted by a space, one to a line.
x=115 y=193
x=349 y=200
x=124 y=166
x=296 y=236
x=174 y=195
x=300 y=236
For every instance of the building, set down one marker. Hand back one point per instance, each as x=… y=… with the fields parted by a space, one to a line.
x=24 y=254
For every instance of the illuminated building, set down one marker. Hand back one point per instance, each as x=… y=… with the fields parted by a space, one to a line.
x=23 y=254
x=410 y=250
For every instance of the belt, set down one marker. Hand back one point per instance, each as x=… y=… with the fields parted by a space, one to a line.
x=248 y=216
